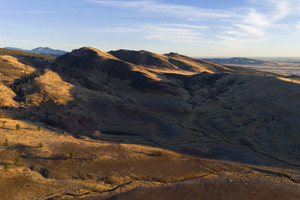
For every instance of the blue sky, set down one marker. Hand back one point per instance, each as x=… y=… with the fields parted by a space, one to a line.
x=195 y=28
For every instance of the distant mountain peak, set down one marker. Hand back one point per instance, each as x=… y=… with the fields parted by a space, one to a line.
x=48 y=51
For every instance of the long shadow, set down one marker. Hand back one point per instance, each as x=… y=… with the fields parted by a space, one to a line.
x=61 y=157
x=6 y=128
x=226 y=116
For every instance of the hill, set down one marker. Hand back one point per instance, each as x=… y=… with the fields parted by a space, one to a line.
x=106 y=117
x=191 y=101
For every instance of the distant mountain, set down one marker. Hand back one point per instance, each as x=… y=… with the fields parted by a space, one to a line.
x=48 y=51
x=237 y=61
x=18 y=49
x=42 y=50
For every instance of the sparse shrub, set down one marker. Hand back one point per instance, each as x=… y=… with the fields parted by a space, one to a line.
x=18 y=127
x=6 y=166
x=44 y=173
x=156 y=153
x=93 y=157
x=72 y=156
x=6 y=143
x=3 y=124
x=18 y=160
x=40 y=145
x=39 y=128
x=84 y=137
x=97 y=134
x=16 y=88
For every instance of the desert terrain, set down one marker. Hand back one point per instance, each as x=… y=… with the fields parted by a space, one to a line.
x=140 y=125
x=283 y=66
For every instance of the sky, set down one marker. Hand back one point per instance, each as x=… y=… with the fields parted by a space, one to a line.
x=198 y=28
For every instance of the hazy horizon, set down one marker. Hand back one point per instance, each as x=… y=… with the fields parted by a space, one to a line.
x=250 y=57
x=247 y=28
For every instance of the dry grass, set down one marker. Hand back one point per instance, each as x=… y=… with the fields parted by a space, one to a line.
x=97 y=166
x=52 y=87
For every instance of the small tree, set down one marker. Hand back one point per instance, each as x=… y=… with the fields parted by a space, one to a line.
x=18 y=127
x=97 y=134
x=6 y=166
x=40 y=145
x=72 y=156
x=18 y=160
